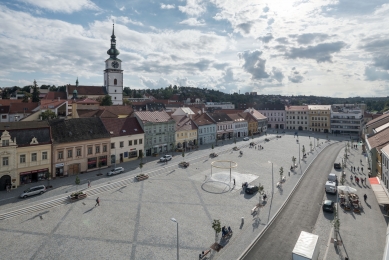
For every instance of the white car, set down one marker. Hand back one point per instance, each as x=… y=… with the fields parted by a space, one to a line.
x=246 y=139
x=33 y=191
x=116 y=170
x=165 y=158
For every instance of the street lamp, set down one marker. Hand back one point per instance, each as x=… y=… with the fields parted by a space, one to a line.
x=178 y=255
x=272 y=190
x=299 y=153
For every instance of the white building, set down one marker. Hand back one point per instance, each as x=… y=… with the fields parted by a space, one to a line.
x=240 y=125
x=221 y=105
x=206 y=128
x=346 y=119
x=297 y=117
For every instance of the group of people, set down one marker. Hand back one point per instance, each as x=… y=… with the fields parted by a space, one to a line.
x=354 y=169
x=260 y=147
x=357 y=179
x=226 y=231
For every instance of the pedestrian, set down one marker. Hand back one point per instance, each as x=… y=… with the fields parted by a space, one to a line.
x=362 y=181
x=264 y=197
x=351 y=178
x=7 y=186
x=289 y=174
x=361 y=169
x=234 y=182
x=365 y=197
x=88 y=183
x=354 y=168
x=365 y=181
x=97 y=202
x=358 y=168
x=360 y=161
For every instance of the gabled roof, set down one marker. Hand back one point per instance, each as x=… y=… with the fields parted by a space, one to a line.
x=77 y=129
x=184 y=123
x=203 y=119
x=87 y=101
x=248 y=116
x=380 y=118
x=153 y=116
x=296 y=108
x=85 y=113
x=4 y=109
x=55 y=95
x=47 y=104
x=7 y=102
x=25 y=136
x=256 y=114
x=220 y=117
x=122 y=126
x=237 y=118
x=378 y=139
x=20 y=108
x=119 y=109
x=23 y=125
x=87 y=90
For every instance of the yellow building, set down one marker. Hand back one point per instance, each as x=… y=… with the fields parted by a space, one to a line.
x=185 y=132
x=25 y=153
x=319 y=118
x=252 y=122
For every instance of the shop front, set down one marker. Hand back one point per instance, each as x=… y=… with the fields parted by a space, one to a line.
x=103 y=161
x=59 y=169
x=133 y=153
x=92 y=163
x=33 y=176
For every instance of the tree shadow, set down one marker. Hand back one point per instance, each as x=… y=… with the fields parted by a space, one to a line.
x=38 y=215
x=89 y=210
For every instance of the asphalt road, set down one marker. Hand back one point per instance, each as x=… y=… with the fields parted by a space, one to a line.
x=300 y=213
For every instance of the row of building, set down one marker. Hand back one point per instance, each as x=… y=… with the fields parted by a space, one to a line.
x=31 y=151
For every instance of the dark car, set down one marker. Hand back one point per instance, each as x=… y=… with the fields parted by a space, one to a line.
x=337 y=166
x=251 y=189
x=329 y=206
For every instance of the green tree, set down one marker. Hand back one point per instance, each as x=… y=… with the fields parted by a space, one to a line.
x=26 y=97
x=77 y=181
x=141 y=160
x=281 y=173
x=217 y=227
x=35 y=93
x=303 y=150
x=294 y=161
x=48 y=114
x=183 y=154
x=106 y=101
x=212 y=147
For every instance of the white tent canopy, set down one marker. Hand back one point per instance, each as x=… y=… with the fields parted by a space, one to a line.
x=347 y=189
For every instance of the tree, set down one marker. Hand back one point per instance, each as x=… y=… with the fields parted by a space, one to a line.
x=127 y=102
x=48 y=114
x=303 y=150
x=48 y=178
x=212 y=147
x=183 y=154
x=281 y=173
x=336 y=224
x=77 y=181
x=217 y=227
x=310 y=144
x=26 y=97
x=35 y=93
x=106 y=101
x=141 y=161
x=294 y=161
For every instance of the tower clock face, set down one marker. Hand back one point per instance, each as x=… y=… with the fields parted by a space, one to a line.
x=115 y=64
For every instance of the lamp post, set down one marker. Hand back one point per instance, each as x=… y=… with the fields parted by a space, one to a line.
x=272 y=190
x=178 y=255
x=299 y=153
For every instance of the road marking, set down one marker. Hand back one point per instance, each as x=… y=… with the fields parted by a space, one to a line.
x=8 y=198
x=328 y=244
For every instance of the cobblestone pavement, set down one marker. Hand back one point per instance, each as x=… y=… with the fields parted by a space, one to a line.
x=133 y=221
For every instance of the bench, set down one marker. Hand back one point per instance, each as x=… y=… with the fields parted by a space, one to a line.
x=203 y=256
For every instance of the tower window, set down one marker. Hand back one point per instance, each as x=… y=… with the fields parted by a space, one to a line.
x=115 y=90
x=115 y=82
x=115 y=97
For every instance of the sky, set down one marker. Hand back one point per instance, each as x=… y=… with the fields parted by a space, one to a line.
x=337 y=48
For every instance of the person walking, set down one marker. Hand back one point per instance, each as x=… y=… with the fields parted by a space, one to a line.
x=361 y=169
x=97 y=202
x=365 y=181
x=362 y=181
x=234 y=182
x=365 y=197
x=88 y=183
x=358 y=168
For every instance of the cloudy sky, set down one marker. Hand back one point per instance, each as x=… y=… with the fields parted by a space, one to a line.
x=311 y=47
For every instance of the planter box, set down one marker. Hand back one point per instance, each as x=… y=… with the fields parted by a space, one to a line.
x=184 y=164
x=77 y=196
x=141 y=177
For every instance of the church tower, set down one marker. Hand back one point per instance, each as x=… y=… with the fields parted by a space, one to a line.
x=113 y=73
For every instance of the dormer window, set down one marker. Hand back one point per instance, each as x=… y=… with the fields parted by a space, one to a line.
x=5 y=142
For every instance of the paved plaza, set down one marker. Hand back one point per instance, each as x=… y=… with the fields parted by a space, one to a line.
x=133 y=221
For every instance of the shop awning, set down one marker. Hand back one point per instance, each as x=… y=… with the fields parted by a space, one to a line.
x=379 y=191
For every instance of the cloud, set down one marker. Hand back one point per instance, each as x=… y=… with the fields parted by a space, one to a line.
x=201 y=65
x=125 y=20
x=373 y=74
x=193 y=8
x=266 y=38
x=163 y=6
x=308 y=38
x=295 y=77
x=245 y=27
x=270 y=21
x=265 y=9
x=382 y=61
x=277 y=74
x=321 y=52
x=154 y=84
x=283 y=40
x=60 y=6
x=352 y=7
x=375 y=45
x=193 y=22
x=253 y=64
x=122 y=8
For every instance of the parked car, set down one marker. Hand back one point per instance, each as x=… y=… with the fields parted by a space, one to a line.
x=116 y=170
x=337 y=166
x=165 y=158
x=251 y=189
x=246 y=139
x=329 y=206
x=33 y=191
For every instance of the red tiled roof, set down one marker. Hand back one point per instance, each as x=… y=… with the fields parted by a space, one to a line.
x=184 y=123
x=7 y=102
x=381 y=117
x=22 y=107
x=203 y=119
x=4 y=109
x=255 y=113
x=153 y=116
x=119 y=109
x=87 y=101
x=379 y=139
x=56 y=95
x=236 y=117
x=45 y=103
x=86 y=90
x=83 y=113
x=130 y=125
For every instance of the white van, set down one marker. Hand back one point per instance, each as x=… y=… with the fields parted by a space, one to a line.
x=332 y=177
x=330 y=187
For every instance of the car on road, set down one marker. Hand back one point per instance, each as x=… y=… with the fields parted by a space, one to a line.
x=165 y=158
x=329 y=206
x=246 y=139
x=337 y=166
x=33 y=191
x=116 y=170
x=251 y=189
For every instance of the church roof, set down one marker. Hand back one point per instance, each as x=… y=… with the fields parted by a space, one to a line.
x=87 y=90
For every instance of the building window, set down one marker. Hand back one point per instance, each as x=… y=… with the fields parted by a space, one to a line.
x=130 y=143
x=78 y=152
x=115 y=81
x=60 y=155
x=23 y=158
x=98 y=149
x=133 y=154
x=135 y=142
x=112 y=145
x=121 y=144
x=5 y=142
x=33 y=157
x=90 y=150
x=5 y=161
x=44 y=155
x=140 y=141
x=104 y=148
x=70 y=153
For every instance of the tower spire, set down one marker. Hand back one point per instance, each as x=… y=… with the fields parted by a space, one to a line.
x=77 y=82
x=113 y=52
